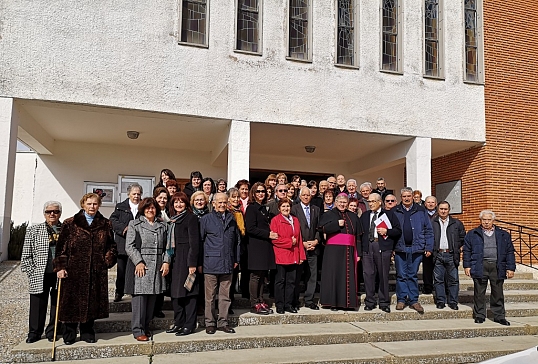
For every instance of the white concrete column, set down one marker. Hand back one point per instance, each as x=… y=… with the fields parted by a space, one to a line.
x=418 y=163
x=8 y=148
x=238 y=151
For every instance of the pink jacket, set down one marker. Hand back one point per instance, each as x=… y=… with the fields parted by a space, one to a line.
x=285 y=251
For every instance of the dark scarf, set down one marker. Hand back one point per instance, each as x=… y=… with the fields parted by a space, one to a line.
x=53 y=235
x=200 y=213
x=171 y=241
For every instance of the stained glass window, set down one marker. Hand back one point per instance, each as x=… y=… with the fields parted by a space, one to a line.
x=346 y=33
x=194 y=21
x=298 y=29
x=471 y=41
x=431 y=38
x=390 y=35
x=248 y=21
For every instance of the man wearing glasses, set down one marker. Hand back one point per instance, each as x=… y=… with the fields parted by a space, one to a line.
x=281 y=191
x=37 y=254
x=390 y=201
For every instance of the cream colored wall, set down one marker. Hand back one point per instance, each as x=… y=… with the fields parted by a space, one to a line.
x=61 y=176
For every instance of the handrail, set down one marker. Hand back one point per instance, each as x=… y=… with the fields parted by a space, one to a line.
x=525 y=240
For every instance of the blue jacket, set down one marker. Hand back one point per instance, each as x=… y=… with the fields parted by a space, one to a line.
x=422 y=229
x=220 y=241
x=473 y=252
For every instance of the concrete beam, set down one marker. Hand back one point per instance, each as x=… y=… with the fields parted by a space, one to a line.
x=8 y=148
x=33 y=134
x=380 y=159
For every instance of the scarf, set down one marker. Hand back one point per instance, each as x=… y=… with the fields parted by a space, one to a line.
x=200 y=213
x=238 y=215
x=53 y=233
x=171 y=241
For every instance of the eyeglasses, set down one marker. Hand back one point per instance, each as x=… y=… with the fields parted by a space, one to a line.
x=282 y=190
x=260 y=191
x=390 y=201
x=56 y=212
x=372 y=201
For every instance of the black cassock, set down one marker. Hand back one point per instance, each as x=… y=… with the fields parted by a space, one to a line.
x=338 y=275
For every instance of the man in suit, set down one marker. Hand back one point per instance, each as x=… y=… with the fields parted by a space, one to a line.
x=281 y=192
x=308 y=216
x=377 y=247
x=430 y=203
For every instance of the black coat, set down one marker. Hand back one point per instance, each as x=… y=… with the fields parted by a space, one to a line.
x=393 y=234
x=329 y=225
x=261 y=255
x=120 y=220
x=455 y=233
x=186 y=254
x=189 y=190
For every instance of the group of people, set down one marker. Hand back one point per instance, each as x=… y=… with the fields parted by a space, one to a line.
x=195 y=245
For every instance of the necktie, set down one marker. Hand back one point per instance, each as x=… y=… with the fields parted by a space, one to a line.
x=372 y=227
x=307 y=214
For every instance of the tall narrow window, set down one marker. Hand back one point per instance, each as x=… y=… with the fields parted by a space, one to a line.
x=248 y=26
x=391 y=36
x=299 y=30
x=346 y=48
x=194 y=21
x=433 y=52
x=473 y=41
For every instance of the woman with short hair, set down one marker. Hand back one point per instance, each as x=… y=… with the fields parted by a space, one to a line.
x=328 y=200
x=172 y=187
x=84 y=252
x=182 y=249
x=199 y=202
x=194 y=185
x=145 y=243
x=222 y=186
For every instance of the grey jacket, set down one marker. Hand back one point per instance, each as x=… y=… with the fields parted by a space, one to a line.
x=145 y=243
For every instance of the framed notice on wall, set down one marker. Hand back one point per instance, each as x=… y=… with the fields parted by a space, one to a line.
x=147 y=183
x=451 y=192
x=107 y=191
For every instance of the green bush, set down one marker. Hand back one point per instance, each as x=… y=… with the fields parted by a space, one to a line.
x=16 y=241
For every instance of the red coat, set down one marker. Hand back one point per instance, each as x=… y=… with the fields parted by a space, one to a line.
x=285 y=251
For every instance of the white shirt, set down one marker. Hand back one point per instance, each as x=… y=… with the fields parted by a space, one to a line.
x=134 y=209
x=443 y=241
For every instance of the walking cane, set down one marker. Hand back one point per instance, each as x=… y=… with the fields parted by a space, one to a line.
x=53 y=354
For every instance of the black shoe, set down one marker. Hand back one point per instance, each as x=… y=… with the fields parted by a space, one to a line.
x=453 y=306
x=427 y=291
x=290 y=310
x=368 y=308
x=297 y=308
x=502 y=322
x=440 y=305
x=69 y=342
x=313 y=306
x=334 y=309
x=184 y=332
x=385 y=309
x=160 y=314
x=173 y=329
x=231 y=312
x=227 y=329
x=479 y=320
x=280 y=311
x=118 y=297
x=33 y=339
x=90 y=340
x=210 y=330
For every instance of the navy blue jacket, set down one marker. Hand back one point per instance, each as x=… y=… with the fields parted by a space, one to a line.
x=220 y=241
x=422 y=229
x=473 y=252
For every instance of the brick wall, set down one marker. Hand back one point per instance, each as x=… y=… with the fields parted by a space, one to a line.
x=502 y=175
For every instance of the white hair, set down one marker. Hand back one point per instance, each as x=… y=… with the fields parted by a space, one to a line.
x=52 y=203
x=486 y=212
x=352 y=181
x=365 y=184
x=135 y=185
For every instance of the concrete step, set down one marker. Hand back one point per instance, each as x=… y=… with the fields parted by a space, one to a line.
x=121 y=322
x=510 y=296
x=281 y=336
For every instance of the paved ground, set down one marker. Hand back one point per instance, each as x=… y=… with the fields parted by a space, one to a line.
x=14 y=304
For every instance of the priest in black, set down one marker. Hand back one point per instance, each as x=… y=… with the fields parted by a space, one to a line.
x=343 y=232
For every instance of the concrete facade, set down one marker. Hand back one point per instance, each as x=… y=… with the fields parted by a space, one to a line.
x=84 y=73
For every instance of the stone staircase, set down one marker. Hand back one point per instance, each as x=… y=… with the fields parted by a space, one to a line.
x=437 y=336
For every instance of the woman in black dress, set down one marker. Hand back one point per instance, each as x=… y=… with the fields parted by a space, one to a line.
x=183 y=245
x=261 y=256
